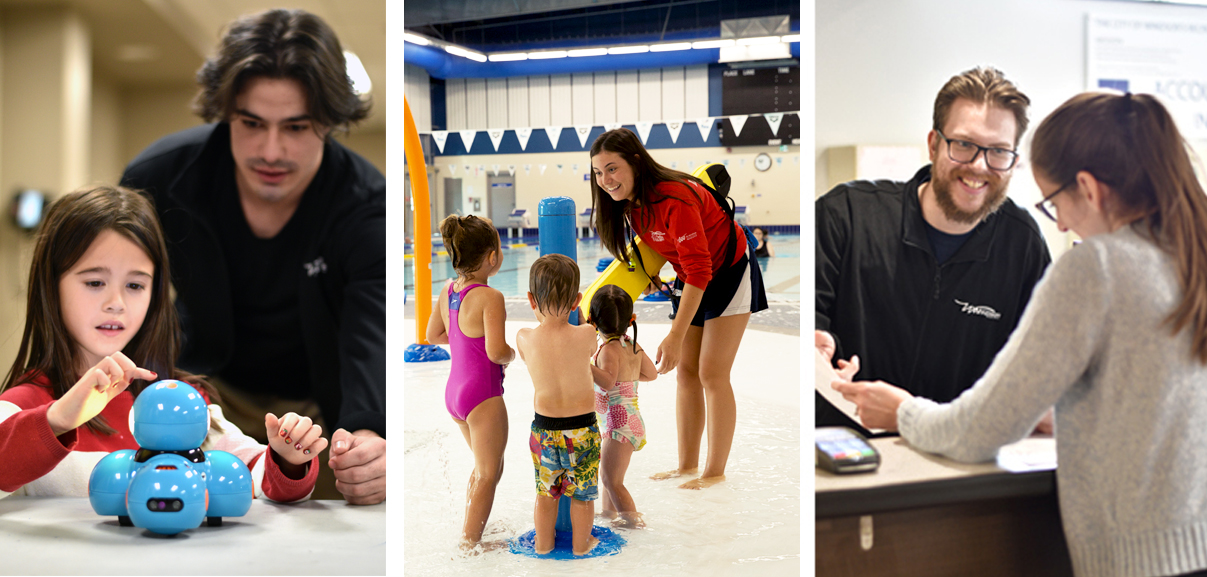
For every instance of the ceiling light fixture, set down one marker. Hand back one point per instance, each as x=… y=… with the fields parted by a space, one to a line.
x=415 y=39
x=361 y=84
x=459 y=51
x=670 y=47
x=547 y=55
x=588 y=52
x=509 y=57
x=629 y=50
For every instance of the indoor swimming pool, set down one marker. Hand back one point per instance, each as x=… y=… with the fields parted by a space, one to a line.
x=781 y=273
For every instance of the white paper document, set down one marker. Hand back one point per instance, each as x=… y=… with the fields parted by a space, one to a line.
x=823 y=375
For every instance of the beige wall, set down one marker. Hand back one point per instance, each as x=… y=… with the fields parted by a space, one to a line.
x=151 y=112
x=369 y=144
x=45 y=135
x=108 y=158
x=771 y=197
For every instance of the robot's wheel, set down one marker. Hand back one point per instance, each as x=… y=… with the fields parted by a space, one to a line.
x=124 y=521
x=213 y=521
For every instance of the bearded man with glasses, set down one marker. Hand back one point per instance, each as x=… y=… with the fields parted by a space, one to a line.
x=924 y=280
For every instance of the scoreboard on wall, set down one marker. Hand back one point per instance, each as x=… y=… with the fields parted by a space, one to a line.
x=758 y=91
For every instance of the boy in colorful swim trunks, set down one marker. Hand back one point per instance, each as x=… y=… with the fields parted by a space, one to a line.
x=565 y=436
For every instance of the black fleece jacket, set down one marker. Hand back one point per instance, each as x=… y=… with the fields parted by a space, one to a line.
x=341 y=283
x=930 y=329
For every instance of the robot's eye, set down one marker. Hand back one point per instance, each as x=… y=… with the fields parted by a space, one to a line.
x=164 y=505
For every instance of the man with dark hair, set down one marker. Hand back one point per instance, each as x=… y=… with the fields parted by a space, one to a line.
x=925 y=280
x=277 y=241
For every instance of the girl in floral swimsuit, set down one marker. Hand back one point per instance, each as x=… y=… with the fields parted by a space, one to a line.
x=622 y=363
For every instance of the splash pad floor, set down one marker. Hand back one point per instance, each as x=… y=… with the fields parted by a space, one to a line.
x=747 y=525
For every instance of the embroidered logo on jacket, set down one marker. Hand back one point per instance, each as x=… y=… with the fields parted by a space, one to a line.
x=316 y=267
x=982 y=310
x=657 y=235
x=687 y=237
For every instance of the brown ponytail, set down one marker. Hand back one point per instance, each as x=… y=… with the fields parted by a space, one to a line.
x=468 y=240
x=612 y=313
x=1131 y=144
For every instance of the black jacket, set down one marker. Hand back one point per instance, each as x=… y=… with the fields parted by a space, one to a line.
x=342 y=304
x=930 y=329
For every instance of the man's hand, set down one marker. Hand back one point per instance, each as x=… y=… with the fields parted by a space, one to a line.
x=876 y=402
x=825 y=344
x=848 y=369
x=359 y=463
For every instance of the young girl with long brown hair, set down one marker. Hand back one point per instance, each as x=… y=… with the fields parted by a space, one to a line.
x=99 y=327
x=1115 y=337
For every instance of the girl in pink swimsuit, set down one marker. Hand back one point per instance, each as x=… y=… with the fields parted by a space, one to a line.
x=471 y=321
x=622 y=363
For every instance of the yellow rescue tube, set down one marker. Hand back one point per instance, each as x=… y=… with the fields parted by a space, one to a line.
x=632 y=281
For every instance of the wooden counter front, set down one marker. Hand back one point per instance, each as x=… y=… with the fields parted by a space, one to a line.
x=925 y=515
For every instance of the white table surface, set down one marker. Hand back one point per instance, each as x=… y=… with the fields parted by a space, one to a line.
x=63 y=536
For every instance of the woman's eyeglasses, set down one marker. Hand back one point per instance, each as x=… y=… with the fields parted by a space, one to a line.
x=1046 y=205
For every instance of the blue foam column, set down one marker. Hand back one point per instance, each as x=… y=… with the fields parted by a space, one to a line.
x=556 y=223
x=563 y=516
x=557 y=227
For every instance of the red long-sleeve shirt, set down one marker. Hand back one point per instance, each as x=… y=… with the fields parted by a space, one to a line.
x=690 y=230
x=34 y=460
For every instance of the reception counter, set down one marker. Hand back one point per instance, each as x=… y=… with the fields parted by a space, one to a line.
x=925 y=515
x=63 y=536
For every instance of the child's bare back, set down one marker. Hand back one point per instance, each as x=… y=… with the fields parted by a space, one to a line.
x=558 y=356
x=565 y=436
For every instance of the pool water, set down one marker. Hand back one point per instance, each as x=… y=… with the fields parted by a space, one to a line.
x=781 y=273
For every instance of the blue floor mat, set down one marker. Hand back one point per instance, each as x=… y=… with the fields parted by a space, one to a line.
x=609 y=544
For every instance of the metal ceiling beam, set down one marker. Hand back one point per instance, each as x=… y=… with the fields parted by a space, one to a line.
x=428 y=12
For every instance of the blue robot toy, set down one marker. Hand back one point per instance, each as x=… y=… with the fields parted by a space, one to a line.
x=169 y=484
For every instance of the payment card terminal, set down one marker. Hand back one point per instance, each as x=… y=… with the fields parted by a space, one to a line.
x=842 y=450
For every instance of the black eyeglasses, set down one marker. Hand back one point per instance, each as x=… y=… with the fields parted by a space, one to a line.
x=965 y=152
x=1047 y=203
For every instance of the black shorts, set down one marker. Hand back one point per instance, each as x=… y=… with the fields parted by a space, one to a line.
x=733 y=290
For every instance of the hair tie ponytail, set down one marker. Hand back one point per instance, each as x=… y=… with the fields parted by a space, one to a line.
x=467 y=241
x=633 y=323
x=454 y=231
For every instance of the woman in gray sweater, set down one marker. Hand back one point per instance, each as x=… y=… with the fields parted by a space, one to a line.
x=1115 y=337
